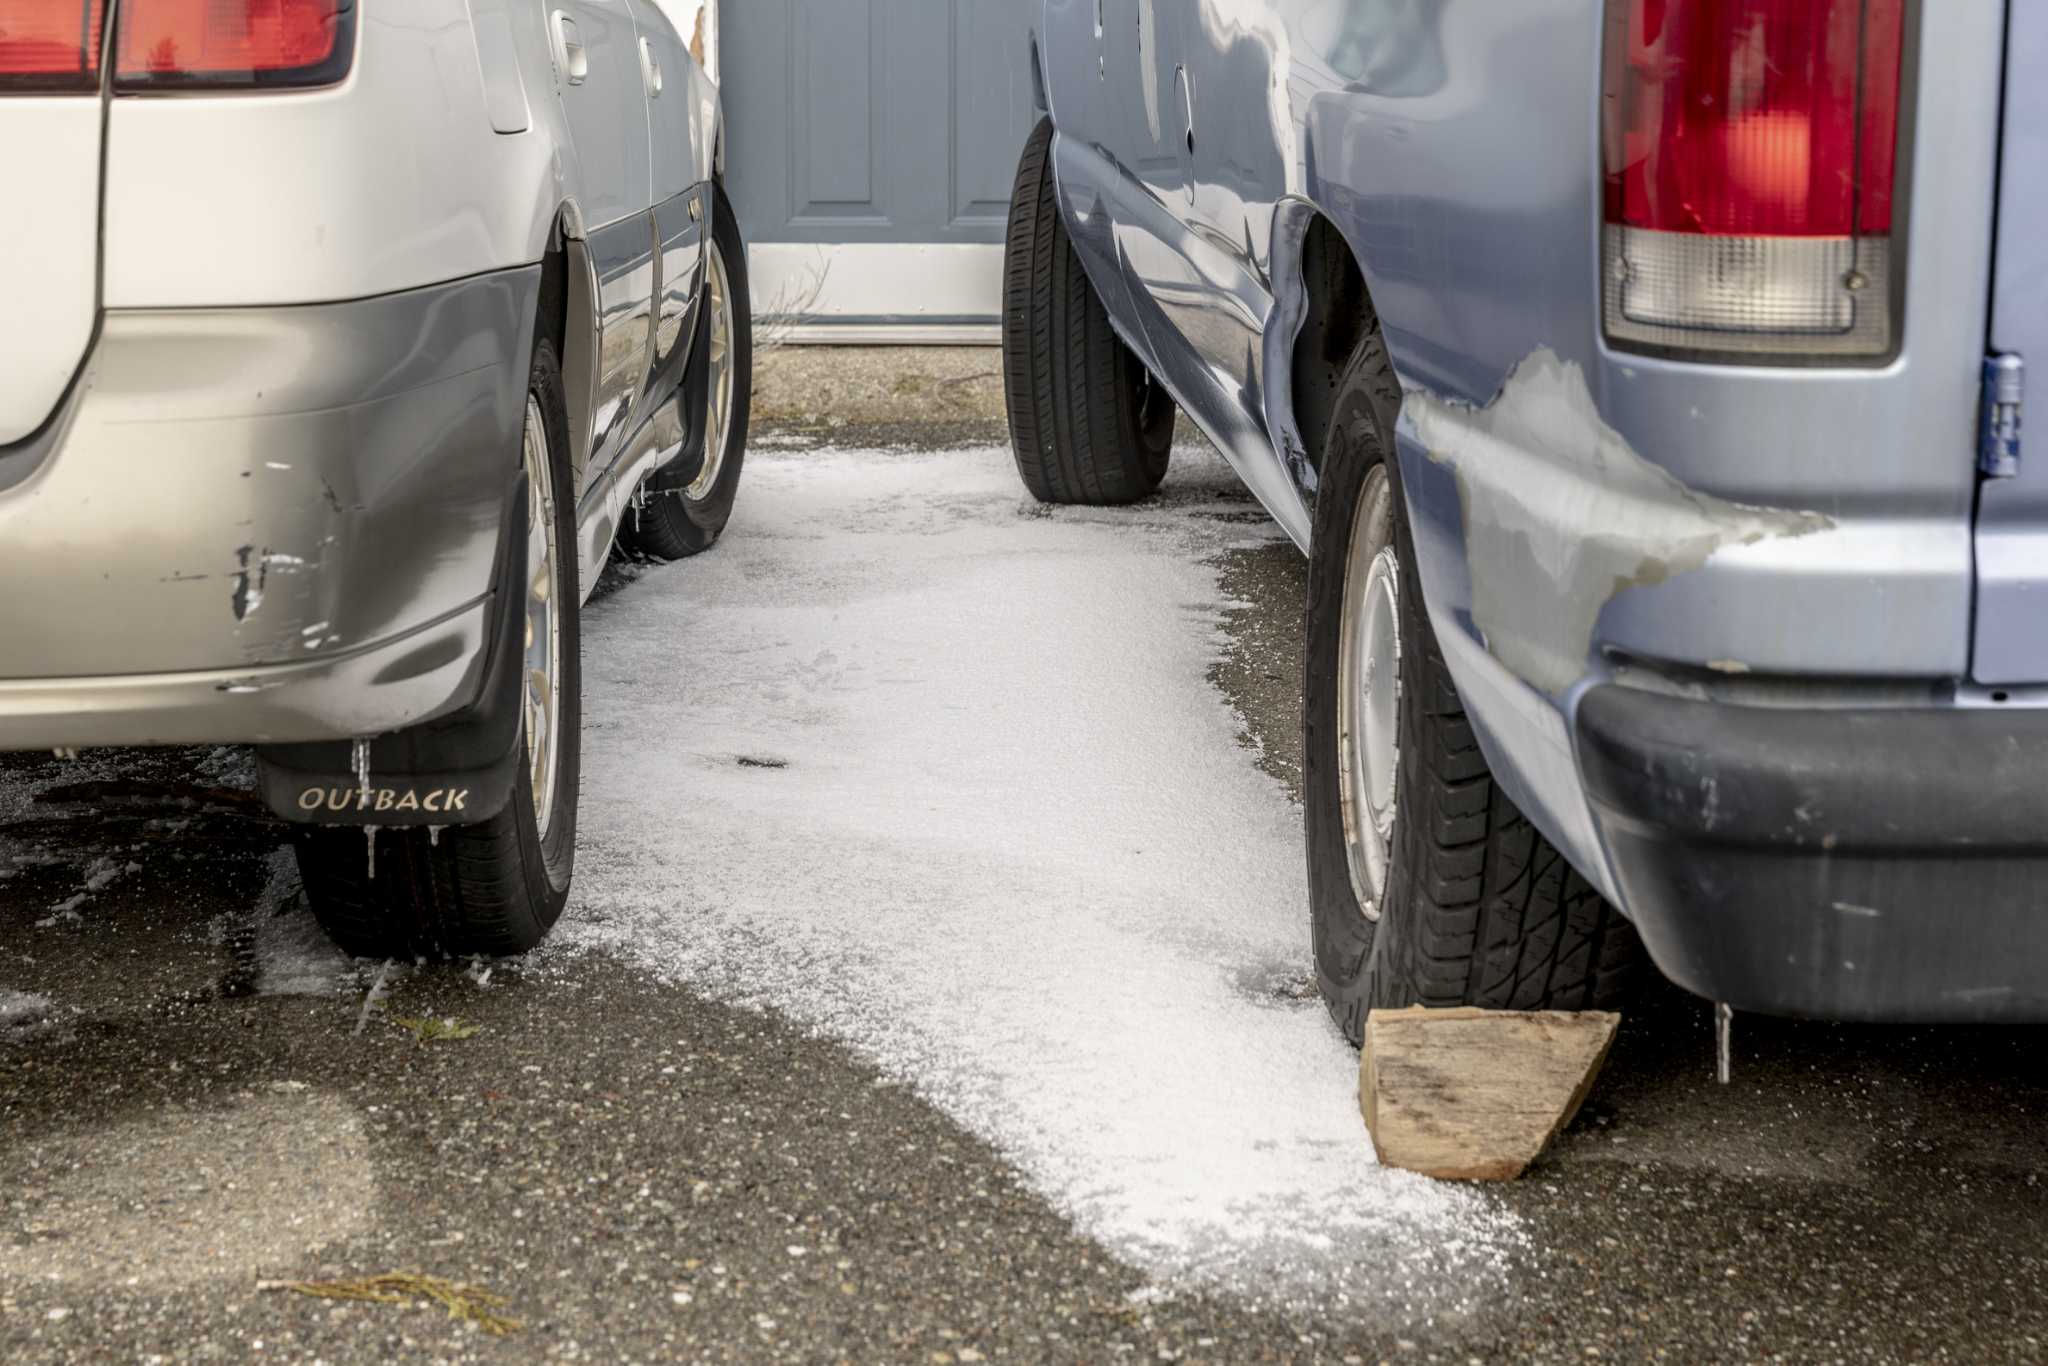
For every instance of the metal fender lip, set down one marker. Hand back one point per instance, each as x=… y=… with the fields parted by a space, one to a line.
x=1856 y=863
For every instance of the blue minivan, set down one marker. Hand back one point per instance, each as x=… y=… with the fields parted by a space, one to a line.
x=1644 y=380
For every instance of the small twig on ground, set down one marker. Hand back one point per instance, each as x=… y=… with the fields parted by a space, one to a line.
x=469 y=1303
x=372 y=997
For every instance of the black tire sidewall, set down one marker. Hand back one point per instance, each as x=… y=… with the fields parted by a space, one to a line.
x=545 y=865
x=671 y=525
x=1151 y=435
x=556 y=859
x=1350 y=950
x=711 y=511
x=1073 y=391
x=497 y=886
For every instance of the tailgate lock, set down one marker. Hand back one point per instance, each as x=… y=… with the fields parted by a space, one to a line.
x=2005 y=390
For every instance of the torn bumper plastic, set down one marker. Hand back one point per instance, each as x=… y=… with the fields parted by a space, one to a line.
x=1874 y=864
x=264 y=525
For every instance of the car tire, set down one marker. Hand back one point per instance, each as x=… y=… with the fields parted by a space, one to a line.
x=498 y=886
x=1088 y=424
x=1427 y=885
x=672 y=518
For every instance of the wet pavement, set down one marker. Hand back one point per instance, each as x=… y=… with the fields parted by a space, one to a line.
x=198 y=1099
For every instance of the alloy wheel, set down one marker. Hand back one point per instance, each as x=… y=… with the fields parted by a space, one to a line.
x=543 y=691
x=718 y=400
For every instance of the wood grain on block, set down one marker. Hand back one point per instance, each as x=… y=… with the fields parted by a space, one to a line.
x=1475 y=1095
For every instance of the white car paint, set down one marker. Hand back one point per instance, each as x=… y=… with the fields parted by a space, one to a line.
x=395 y=178
x=46 y=256
x=315 y=313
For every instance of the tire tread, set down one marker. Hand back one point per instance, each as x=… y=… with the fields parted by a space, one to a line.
x=495 y=887
x=1071 y=387
x=1480 y=909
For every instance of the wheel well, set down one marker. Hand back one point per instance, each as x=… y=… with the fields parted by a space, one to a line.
x=553 y=323
x=1337 y=316
x=568 y=314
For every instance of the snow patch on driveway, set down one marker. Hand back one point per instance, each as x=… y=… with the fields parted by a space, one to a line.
x=937 y=772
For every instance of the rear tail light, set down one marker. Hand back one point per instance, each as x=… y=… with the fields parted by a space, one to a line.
x=214 y=44
x=50 y=45
x=1751 y=154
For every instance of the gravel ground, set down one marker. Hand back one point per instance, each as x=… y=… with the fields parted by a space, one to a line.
x=644 y=1174
x=909 y=397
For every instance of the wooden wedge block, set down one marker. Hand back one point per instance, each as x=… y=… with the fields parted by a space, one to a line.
x=1475 y=1095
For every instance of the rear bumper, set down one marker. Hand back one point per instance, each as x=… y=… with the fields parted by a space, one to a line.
x=1880 y=864
x=393 y=683
x=269 y=525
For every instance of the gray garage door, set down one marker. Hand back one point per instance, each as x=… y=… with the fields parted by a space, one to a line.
x=869 y=150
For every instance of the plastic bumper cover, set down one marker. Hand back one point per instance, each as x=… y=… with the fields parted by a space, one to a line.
x=1881 y=864
x=271 y=525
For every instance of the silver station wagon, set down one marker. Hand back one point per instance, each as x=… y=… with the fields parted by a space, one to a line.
x=342 y=339
x=1644 y=381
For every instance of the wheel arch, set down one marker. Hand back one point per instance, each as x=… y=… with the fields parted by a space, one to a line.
x=571 y=308
x=1322 y=310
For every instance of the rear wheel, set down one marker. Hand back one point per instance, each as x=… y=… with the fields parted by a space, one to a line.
x=675 y=517
x=1428 y=886
x=1088 y=423
x=496 y=887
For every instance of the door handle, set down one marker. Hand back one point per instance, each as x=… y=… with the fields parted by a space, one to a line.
x=650 y=70
x=1187 y=107
x=570 y=57
x=1187 y=104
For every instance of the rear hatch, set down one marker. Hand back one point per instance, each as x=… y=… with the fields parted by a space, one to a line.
x=2011 y=645
x=51 y=123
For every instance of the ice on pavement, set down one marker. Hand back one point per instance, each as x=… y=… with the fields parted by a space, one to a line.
x=19 y=1008
x=292 y=955
x=937 y=772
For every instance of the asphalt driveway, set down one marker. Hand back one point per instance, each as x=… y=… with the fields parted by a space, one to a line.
x=932 y=993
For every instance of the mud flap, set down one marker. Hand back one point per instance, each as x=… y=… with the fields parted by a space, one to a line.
x=688 y=462
x=457 y=770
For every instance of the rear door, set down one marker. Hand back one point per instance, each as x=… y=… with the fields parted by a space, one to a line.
x=680 y=209
x=1141 y=43
x=598 y=71
x=2012 y=520
x=50 y=129
x=1236 y=59
x=1141 y=48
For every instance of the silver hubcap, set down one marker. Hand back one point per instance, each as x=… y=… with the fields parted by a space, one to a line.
x=543 y=619
x=1369 y=692
x=718 y=406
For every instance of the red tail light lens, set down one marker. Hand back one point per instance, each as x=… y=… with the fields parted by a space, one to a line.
x=50 y=45
x=232 y=43
x=1751 y=156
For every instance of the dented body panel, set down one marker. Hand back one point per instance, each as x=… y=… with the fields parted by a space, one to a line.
x=284 y=511
x=285 y=514
x=1582 y=516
